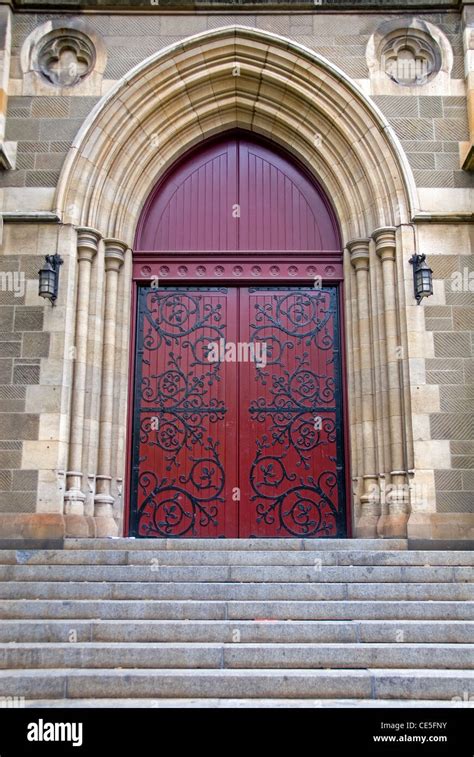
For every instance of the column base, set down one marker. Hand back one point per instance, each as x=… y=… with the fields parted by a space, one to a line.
x=74 y=502
x=366 y=527
x=105 y=526
x=393 y=526
x=79 y=526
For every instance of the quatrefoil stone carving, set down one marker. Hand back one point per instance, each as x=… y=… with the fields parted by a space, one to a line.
x=65 y=58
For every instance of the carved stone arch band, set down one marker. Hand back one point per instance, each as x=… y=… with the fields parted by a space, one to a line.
x=359 y=163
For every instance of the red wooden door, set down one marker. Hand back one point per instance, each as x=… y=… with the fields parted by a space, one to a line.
x=290 y=414
x=250 y=444
x=185 y=413
x=238 y=419
x=192 y=209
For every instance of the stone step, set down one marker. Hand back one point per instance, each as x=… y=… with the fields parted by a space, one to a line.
x=248 y=631
x=235 y=591
x=246 y=703
x=235 y=655
x=237 y=544
x=189 y=557
x=262 y=574
x=383 y=683
x=239 y=610
x=162 y=622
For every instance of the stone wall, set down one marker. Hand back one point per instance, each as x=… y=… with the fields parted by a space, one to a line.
x=35 y=372
x=42 y=121
x=450 y=369
x=23 y=344
x=430 y=127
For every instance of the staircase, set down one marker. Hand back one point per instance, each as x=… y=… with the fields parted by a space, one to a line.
x=163 y=623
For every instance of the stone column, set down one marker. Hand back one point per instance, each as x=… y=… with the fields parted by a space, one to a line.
x=370 y=497
x=395 y=523
x=354 y=391
x=122 y=374
x=114 y=256
x=87 y=245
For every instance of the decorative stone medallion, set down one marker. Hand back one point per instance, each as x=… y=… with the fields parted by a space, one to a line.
x=410 y=59
x=66 y=57
x=411 y=53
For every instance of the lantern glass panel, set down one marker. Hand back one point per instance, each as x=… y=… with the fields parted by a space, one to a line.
x=47 y=283
x=426 y=274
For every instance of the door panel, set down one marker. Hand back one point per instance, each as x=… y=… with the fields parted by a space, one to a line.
x=235 y=193
x=291 y=463
x=193 y=208
x=184 y=414
x=265 y=426
x=279 y=208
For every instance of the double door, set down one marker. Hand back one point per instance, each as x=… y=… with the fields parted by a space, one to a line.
x=237 y=416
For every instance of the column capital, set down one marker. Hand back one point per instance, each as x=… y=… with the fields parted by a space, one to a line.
x=359 y=252
x=385 y=242
x=114 y=254
x=87 y=243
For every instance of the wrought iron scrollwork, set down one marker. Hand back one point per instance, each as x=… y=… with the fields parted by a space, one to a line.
x=296 y=480
x=301 y=317
x=172 y=316
x=299 y=414
x=169 y=507
x=173 y=411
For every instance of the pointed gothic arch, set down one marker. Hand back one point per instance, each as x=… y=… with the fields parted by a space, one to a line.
x=231 y=78
x=227 y=78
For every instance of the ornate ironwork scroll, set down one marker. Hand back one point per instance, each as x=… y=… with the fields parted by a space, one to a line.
x=296 y=475
x=271 y=429
x=178 y=477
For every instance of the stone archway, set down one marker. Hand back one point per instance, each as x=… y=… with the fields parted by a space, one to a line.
x=235 y=77
x=228 y=78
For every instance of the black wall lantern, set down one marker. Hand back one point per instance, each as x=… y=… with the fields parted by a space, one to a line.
x=49 y=277
x=422 y=277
